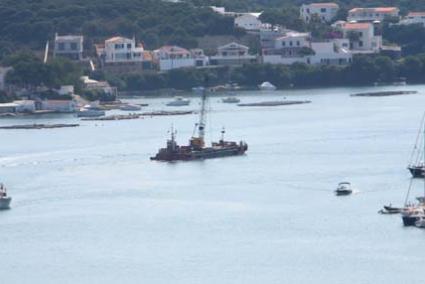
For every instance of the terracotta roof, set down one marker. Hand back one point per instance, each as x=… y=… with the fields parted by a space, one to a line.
x=416 y=14
x=325 y=5
x=376 y=10
x=357 y=26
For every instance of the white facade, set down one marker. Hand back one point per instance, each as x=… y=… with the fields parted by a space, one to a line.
x=329 y=53
x=121 y=50
x=59 y=105
x=292 y=40
x=372 y=14
x=248 y=22
x=69 y=46
x=362 y=38
x=232 y=54
x=173 y=57
x=25 y=106
x=326 y=12
x=414 y=18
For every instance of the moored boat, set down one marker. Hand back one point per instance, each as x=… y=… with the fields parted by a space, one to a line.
x=416 y=165
x=231 y=100
x=5 y=200
x=179 y=101
x=130 y=107
x=344 y=188
x=90 y=111
x=267 y=86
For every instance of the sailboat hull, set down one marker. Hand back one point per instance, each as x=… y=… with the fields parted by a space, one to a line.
x=417 y=172
x=409 y=220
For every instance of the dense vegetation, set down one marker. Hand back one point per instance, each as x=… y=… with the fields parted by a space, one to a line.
x=30 y=72
x=26 y=23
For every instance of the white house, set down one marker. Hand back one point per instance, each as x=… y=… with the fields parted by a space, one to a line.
x=232 y=54
x=59 y=105
x=120 y=50
x=173 y=57
x=69 y=46
x=372 y=14
x=25 y=106
x=325 y=12
x=298 y=47
x=414 y=18
x=249 y=21
x=362 y=37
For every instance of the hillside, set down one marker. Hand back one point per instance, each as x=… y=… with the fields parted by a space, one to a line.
x=28 y=24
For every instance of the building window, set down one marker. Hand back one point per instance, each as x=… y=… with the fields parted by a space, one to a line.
x=283 y=43
x=73 y=46
x=128 y=45
x=290 y=43
x=323 y=10
x=61 y=46
x=361 y=43
x=360 y=33
x=298 y=43
x=224 y=53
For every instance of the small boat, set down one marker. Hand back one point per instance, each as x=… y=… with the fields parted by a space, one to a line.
x=179 y=101
x=130 y=107
x=90 y=111
x=389 y=209
x=344 y=188
x=230 y=100
x=420 y=223
x=411 y=214
x=417 y=171
x=5 y=200
x=267 y=86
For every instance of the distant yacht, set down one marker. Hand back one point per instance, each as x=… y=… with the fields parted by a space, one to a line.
x=4 y=198
x=267 y=86
x=231 y=100
x=416 y=165
x=130 y=107
x=90 y=111
x=344 y=188
x=179 y=101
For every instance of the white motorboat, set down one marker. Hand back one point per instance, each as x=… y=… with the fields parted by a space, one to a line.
x=344 y=188
x=267 y=86
x=5 y=200
x=90 y=111
x=420 y=223
x=230 y=100
x=179 y=101
x=130 y=107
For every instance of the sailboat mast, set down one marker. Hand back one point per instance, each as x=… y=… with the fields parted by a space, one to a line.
x=201 y=124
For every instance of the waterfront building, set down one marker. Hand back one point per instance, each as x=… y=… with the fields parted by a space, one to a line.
x=201 y=60
x=362 y=37
x=325 y=12
x=233 y=54
x=120 y=50
x=173 y=57
x=69 y=46
x=59 y=105
x=414 y=18
x=372 y=14
x=299 y=47
x=27 y=106
x=269 y=35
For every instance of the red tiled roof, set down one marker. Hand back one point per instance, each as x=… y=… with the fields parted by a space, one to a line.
x=357 y=26
x=416 y=14
x=376 y=10
x=325 y=5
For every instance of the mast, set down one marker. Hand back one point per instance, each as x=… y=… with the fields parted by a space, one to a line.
x=201 y=124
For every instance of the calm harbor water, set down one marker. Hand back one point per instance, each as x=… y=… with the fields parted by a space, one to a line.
x=90 y=207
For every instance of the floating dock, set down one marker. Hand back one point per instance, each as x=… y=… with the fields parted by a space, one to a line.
x=274 y=103
x=384 y=94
